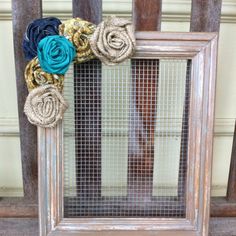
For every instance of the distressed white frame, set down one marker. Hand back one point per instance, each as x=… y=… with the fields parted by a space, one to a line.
x=201 y=48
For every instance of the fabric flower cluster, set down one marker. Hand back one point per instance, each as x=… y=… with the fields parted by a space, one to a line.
x=51 y=46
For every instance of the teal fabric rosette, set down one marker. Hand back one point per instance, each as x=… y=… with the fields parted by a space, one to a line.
x=55 y=53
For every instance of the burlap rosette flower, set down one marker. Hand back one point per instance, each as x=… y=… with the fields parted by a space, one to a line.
x=45 y=106
x=113 y=40
x=79 y=31
x=35 y=76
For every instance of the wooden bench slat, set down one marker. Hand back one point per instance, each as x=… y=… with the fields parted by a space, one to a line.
x=17 y=207
x=205 y=15
x=147 y=15
x=22 y=16
x=220 y=207
x=90 y=10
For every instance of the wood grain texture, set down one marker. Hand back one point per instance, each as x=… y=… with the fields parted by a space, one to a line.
x=90 y=10
x=163 y=38
x=143 y=107
x=87 y=95
x=209 y=88
x=147 y=15
x=231 y=190
x=50 y=178
x=19 y=227
x=17 y=207
x=205 y=15
x=220 y=226
x=28 y=133
x=221 y=207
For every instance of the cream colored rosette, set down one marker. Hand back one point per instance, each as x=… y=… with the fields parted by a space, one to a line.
x=79 y=31
x=45 y=106
x=113 y=40
x=35 y=76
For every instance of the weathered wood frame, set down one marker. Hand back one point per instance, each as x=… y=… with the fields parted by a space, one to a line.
x=201 y=48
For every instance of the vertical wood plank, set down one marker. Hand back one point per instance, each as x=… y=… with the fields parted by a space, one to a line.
x=231 y=190
x=147 y=15
x=205 y=17
x=90 y=10
x=143 y=107
x=87 y=90
x=28 y=133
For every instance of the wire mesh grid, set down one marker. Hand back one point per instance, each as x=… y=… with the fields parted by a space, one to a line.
x=125 y=139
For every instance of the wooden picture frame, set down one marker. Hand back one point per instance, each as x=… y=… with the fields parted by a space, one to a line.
x=201 y=49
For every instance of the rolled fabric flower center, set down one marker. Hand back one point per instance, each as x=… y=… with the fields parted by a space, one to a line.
x=79 y=31
x=45 y=106
x=35 y=76
x=36 y=31
x=55 y=53
x=113 y=40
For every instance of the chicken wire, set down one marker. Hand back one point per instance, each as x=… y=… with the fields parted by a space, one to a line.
x=125 y=139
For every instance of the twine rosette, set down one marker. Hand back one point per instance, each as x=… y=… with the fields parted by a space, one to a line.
x=45 y=106
x=79 y=31
x=35 y=76
x=113 y=40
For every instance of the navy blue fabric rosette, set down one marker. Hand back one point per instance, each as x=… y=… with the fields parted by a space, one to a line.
x=36 y=31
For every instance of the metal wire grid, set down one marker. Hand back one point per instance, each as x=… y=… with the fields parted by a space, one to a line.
x=122 y=139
